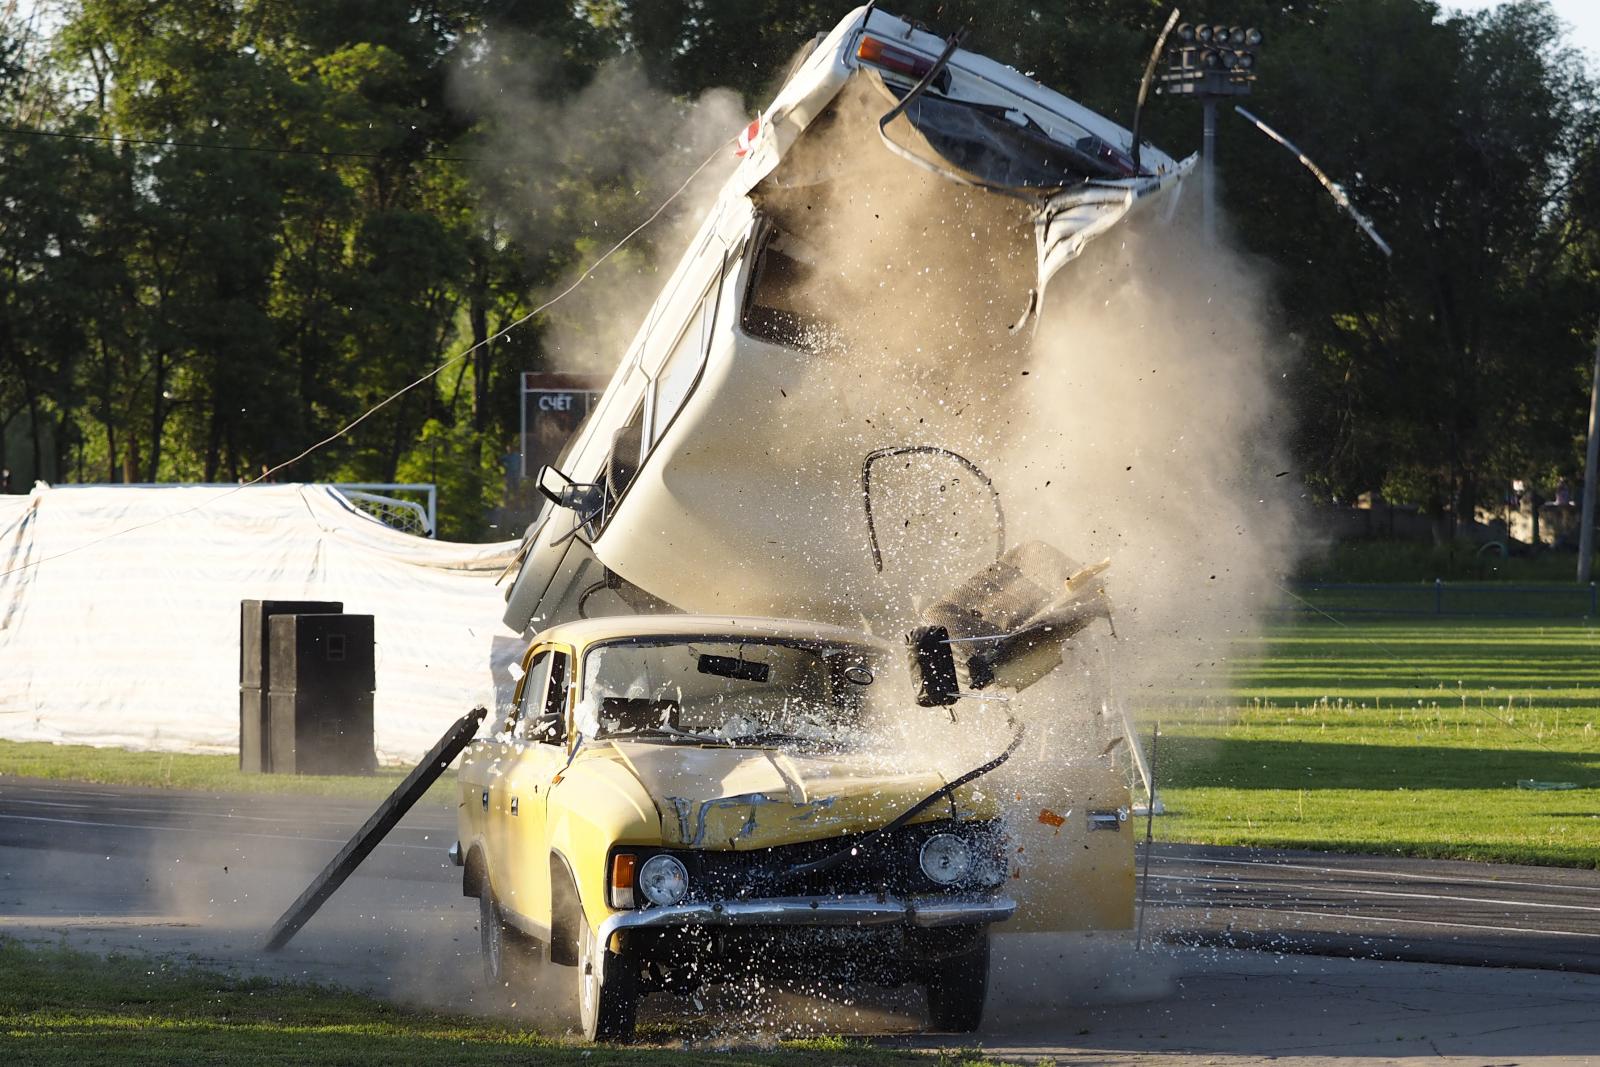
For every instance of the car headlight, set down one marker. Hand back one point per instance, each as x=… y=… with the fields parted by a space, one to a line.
x=663 y=879
x=945 y=858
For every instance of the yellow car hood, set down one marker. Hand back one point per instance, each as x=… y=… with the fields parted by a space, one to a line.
x=756 y=798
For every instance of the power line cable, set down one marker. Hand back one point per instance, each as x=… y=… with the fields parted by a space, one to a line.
x=380 y=405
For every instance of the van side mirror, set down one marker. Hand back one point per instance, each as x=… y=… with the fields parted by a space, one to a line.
x=563 y=492
x=933 y=667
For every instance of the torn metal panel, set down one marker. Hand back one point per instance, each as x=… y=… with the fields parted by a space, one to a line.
x=1065 y=223
x=1009 y=621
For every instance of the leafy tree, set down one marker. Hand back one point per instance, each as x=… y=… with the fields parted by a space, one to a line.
x=237 y=227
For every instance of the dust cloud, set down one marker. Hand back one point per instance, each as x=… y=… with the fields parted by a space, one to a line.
x=604 y=157
x=1137 y=420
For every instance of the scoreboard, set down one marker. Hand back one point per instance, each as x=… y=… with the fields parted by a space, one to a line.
x=553 y=407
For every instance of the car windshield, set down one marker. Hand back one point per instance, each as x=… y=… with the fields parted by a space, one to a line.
x=727 y=692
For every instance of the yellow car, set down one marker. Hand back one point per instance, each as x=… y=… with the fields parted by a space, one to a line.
x=679 y=798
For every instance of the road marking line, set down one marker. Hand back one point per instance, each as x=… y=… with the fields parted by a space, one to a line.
x=1426 y=922
x=199 y=830
x=1374 y=892
x=1382 y=874
x=441 y=826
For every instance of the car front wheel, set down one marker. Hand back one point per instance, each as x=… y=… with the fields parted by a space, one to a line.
x=608 y=990
x=958 y=983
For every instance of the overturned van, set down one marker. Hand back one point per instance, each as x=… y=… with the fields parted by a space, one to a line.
x=788 y=435
x=722 y=469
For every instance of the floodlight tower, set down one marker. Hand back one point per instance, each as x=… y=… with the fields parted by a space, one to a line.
x=1210 y=62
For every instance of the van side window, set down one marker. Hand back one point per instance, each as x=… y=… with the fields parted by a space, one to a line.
x=683 y=364
x=781 y=304
x=622 y=462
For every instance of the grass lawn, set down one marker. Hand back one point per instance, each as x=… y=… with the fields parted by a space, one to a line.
x=1409 y=736
x=1374 y=735
x=60 y=1007
x=169 y=770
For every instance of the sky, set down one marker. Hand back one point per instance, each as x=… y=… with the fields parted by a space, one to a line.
x=1582 y=16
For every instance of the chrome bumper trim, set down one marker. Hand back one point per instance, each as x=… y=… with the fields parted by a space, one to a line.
x=858 y=910
x=455 y=853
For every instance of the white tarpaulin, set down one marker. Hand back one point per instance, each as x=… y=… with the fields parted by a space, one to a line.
x=130 y=636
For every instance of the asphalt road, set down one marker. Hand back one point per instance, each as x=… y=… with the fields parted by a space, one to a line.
x=1377 y=907
x=202 y=877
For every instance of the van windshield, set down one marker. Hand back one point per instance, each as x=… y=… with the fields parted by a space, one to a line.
x=729 y=692
x=1005 y=147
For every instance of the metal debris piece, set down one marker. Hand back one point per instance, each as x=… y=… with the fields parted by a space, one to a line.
x=375 y=829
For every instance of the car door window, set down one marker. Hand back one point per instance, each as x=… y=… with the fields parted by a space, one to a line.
x=534 y=688
x=552 y=726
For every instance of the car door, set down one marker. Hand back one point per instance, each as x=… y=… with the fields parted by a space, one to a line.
x=538 y=752
x=502 y=753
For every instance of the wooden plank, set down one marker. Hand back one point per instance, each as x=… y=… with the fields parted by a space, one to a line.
x=375 y=829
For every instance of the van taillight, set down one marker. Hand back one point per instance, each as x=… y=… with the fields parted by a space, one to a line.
x=887 y=56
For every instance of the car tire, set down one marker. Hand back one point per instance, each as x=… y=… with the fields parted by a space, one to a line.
x=510 y=957
x=957 y=986
x=608 y=989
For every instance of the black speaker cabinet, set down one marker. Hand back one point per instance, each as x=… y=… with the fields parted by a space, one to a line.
x=254 y=738
x=320 y=683
x=254 y=654
x=321 y=732
x=320 y=652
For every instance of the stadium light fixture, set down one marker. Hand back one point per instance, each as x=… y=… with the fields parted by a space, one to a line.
x=1210 y=61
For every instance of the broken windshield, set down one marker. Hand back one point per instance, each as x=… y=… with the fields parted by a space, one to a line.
x=731 y=692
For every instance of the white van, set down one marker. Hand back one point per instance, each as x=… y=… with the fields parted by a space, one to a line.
x=901 y=207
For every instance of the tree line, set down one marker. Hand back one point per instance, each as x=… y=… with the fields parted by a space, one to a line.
x=230 y=227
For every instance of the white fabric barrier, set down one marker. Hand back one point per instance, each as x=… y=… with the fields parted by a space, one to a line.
x=130 y=635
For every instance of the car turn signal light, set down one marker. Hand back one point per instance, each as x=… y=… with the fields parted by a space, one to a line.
x=622 y=868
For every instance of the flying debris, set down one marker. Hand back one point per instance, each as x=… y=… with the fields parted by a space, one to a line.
x=1335 y=190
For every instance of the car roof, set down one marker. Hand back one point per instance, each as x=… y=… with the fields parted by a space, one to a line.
x=591 y=631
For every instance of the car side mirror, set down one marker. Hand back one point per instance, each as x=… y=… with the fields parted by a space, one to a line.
x=933 y=667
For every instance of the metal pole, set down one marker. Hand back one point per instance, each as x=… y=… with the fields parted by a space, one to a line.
x=1586 y=533
x=1149 y=837
x=522 y=433
x=1208 y=170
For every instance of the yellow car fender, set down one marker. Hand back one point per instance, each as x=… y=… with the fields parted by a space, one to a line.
x=597 y=804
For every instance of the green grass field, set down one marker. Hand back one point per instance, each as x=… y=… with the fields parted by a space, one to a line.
x=1381 y=735
x=69 y=1009
x=169 y=770
x=1398 y=736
